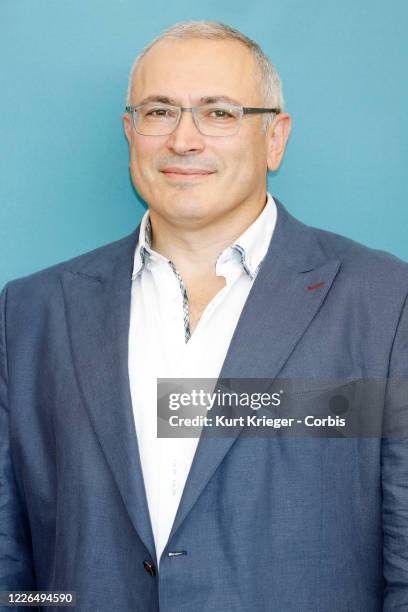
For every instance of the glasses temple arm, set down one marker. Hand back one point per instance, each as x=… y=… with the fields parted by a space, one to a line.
x=250 y=110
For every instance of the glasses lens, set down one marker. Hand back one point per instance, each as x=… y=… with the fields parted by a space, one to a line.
x=218 y=119
x=154 y=119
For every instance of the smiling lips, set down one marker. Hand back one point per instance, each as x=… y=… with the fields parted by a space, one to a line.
x=185 y=173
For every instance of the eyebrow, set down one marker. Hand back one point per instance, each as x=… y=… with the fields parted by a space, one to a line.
x=203 y=100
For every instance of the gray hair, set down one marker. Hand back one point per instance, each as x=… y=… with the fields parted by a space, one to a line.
x=269 y=81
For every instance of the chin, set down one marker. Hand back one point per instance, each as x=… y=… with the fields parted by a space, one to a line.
x=186 y=214
x=181 y=210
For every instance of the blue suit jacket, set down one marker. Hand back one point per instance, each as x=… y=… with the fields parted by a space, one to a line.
x=267 y=524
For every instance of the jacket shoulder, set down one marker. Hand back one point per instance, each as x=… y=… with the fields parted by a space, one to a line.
x=45 y=280
x=371 y=277
x=359 y=258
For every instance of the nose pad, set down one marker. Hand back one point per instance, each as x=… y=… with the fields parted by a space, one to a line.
x=187 y=111
x=186 y=136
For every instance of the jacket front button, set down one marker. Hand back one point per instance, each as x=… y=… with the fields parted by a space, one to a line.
x=149 y=567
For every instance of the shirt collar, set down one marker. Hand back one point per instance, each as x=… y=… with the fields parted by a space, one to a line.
x=253 y=243
x=251 y=246
x=143 y=249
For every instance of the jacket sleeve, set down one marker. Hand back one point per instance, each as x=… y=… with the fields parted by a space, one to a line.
x=394 y=473
x=16 y=565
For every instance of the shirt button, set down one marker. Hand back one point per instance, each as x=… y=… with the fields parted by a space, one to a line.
x=149 y=567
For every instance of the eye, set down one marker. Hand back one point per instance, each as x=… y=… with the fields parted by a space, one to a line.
x=220 y=113
x=158 y=112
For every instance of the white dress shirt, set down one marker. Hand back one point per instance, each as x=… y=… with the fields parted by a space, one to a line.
x=160 y=346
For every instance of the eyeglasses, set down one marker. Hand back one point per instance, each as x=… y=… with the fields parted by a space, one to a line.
x=220 y=119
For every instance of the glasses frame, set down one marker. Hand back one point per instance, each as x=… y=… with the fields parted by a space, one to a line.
x=243 y=110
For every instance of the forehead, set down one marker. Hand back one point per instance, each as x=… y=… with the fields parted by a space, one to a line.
x=196 y=68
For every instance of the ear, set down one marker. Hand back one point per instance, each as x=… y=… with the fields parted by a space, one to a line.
x=127 y=126
x=277 y=137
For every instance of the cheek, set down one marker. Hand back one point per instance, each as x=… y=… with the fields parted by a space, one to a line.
x=141 y=160
x=248 y=161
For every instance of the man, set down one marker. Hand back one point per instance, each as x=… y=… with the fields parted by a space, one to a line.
x=219 y=280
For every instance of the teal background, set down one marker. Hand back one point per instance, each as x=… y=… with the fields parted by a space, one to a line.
x=65 y=186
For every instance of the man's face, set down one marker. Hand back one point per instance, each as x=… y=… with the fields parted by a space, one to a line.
x=187 y=73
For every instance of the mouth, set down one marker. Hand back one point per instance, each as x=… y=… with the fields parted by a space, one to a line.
x=185 y=174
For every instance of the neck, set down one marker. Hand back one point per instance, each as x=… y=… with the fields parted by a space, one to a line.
x=194 y=251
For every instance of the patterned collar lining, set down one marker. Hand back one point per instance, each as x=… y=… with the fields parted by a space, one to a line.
x=246 y=243
x=145 y=251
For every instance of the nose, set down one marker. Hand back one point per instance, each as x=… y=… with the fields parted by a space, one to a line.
x=186 y=138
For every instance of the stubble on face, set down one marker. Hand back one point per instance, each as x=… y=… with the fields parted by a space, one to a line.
x=234 y=167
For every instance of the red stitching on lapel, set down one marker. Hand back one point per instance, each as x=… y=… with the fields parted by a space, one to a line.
x=316 y=286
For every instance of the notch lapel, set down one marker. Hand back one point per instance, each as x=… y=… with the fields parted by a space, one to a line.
x=288 y=291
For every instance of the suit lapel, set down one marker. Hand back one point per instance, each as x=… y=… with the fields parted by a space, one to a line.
x=97 y=300
x=290 y=287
